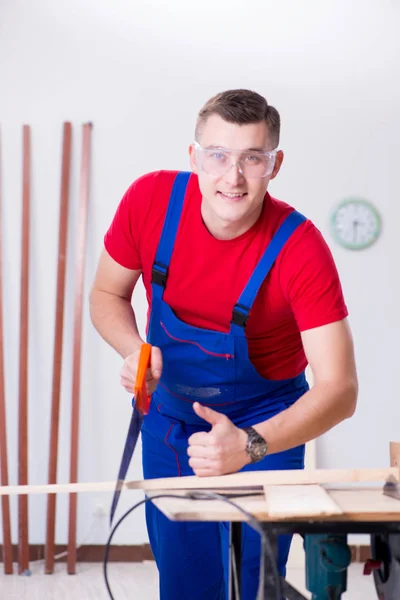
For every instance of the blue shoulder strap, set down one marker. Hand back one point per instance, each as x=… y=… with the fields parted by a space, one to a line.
x=245 y=302
x=168 y=235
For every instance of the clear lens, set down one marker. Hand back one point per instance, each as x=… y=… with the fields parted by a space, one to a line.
x=217 y=162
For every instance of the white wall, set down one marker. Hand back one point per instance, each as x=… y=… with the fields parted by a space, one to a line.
x=140 y=72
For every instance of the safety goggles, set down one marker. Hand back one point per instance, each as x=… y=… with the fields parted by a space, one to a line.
x=250 y=163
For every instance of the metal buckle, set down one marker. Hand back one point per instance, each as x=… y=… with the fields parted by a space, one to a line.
x=159 y=275
x=239 y=318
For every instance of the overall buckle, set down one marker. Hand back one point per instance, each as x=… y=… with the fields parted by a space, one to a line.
x=238 y=317
x=159 y=274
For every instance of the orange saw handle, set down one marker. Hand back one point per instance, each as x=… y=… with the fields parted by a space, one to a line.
x=142 y=399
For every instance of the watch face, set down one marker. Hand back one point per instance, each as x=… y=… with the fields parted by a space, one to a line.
x=259 y=450
x=257 y=446
x=356 y=224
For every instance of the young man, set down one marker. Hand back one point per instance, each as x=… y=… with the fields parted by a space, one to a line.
x=243 y=293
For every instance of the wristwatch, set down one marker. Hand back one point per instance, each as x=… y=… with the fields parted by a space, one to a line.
x=256 y=446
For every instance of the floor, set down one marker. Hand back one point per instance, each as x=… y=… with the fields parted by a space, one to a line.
x=133 y=581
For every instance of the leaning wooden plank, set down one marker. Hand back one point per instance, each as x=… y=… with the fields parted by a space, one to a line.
x=284 y=501
x=23 y=540
x=58 y=344
x=261 y=478
x=76 y=368
x=5 y=503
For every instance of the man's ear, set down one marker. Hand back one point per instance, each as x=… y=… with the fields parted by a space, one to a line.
x=278 y=163
x=192 y=156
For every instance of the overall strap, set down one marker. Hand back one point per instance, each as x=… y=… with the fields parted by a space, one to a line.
x=242 y=308
x=167 y=240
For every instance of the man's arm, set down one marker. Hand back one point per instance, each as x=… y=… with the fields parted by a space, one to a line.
x=333 y=398
x=329 y=351
x=114 y=318
x=110 y=305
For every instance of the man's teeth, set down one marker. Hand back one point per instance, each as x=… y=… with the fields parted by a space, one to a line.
x=232 y=195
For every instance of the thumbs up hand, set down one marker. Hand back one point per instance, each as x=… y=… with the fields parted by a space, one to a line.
x=219 y=451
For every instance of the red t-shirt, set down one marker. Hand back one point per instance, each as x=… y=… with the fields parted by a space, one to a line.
x=207 y=276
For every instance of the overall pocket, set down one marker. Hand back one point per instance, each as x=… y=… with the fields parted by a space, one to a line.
x=201 y=368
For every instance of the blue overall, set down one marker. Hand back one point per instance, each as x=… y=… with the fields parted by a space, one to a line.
x=212 y=368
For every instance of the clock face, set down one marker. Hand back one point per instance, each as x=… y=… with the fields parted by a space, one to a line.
x=356 y=224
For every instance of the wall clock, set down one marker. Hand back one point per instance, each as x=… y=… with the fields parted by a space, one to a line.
x=356 y=224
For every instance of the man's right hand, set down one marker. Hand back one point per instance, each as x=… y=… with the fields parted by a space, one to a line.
x=129 y=370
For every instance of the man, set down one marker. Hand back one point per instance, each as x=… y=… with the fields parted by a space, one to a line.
x=243 y=293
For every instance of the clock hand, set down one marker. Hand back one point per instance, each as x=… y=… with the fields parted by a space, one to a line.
x=355 y=226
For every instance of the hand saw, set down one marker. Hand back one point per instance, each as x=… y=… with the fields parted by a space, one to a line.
x=141 y=403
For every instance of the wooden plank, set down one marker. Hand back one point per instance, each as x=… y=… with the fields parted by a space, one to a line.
x=100 y=486
x=363 y=502
x=357 y=505
x=284 y=501
x=184 y=509
x=239 y=482
x=76 y=368
x=23 y=541
x=58 y=345
x=261 y=478
x=5 y=502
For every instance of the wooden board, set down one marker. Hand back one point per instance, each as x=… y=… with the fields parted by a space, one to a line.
x=368 y=502
x=284 y=501
x=206 y=510
x=361 y=504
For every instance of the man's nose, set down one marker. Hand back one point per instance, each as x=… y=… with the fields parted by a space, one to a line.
x=234 y=174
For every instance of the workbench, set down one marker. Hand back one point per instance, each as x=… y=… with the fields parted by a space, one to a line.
x=311 y=503
x=361 y=510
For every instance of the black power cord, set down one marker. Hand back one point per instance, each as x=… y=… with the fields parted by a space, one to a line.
x=266 y=547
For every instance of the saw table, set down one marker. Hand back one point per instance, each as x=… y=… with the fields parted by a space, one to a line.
x=324 y=519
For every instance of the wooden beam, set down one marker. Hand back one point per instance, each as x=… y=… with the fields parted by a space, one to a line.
x=58 y=344
x=5 y=502
x=23 y=537
x=77 y=349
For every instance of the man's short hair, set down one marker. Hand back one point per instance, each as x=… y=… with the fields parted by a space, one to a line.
x=242 y=107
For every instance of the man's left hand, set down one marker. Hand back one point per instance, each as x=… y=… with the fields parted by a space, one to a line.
x=219 y=451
